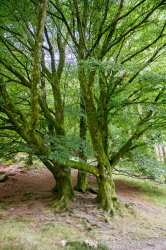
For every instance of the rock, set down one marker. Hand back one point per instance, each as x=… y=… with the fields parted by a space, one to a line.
x=3 y=177
x=91 y=243
x=64 y=243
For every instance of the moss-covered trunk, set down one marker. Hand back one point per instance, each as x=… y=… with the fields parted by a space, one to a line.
x=64 y=187
x=36 y=63
x=64 y=190
x=106 y=188
x=103 y=111
x=82 y=183
x=106 y=197
x=29 y=160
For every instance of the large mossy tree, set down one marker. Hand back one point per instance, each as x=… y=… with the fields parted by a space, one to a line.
x=104 y=58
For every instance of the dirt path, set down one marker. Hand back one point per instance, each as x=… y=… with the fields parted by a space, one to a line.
x=27 y=194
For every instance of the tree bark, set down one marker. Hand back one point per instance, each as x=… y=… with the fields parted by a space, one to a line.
x=103 y=111
x=106 y=189
x=82 y=183
x=63 y=184
x=30 y=160
x=37 y=63
x=64 y=187
x=106 y=197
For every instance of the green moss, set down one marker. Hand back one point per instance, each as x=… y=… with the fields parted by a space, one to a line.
x=2 y=205
x=76 y=245
x=82 y=183
x=27 y=196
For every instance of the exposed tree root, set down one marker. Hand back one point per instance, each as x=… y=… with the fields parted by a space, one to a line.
x=113 y=206
x=88 y=189
x=62 y=204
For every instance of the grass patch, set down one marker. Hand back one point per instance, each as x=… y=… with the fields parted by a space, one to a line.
x=24 y=234
x=76 y=245
x=2 y=214
x=2 y=205
x=27 y=196
x=156 y=193
x=2 y=211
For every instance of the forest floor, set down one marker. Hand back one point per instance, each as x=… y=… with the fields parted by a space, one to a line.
x=28 y=222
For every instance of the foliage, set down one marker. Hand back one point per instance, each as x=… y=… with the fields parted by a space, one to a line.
x=143 y=162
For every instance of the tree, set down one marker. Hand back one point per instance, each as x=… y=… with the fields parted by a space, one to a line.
x=115 y=46
x=102 y=41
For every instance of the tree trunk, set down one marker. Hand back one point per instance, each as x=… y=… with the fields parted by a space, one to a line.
x=30 y=160
x=104 y=132
x=106 y=189
x=63 y=184
x=82 y=183
x=106 y=197
x=64 y=189
x=103 y=112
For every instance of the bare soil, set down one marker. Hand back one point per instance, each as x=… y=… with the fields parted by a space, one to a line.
x=28 y=194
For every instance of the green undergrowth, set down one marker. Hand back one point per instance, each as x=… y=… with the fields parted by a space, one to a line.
x=2 y=210
x=76 y=245
x=156 y=193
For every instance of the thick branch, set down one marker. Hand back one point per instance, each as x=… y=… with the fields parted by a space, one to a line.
x=36 y=63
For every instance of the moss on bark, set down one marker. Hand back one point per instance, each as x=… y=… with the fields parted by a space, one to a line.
x=64 y=190
x=82 y=183
x=106 y=197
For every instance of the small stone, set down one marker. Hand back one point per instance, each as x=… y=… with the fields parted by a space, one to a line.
x=64 y=243
x=91 y=243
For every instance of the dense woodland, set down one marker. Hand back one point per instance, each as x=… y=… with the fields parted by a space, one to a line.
x=84 y=80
